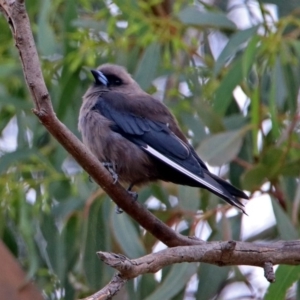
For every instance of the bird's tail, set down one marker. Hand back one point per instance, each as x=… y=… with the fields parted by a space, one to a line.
x=205 y=180
x=228 y=192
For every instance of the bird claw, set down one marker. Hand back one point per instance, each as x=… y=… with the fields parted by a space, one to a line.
x=115 y=177
x=134 y=195
x=118 y=210
x=111 y=169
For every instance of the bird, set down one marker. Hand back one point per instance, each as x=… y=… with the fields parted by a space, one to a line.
x=138 y=139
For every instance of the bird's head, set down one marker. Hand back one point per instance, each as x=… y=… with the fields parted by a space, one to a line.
x=114 y=78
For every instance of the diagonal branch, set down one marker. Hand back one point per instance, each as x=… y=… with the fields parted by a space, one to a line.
x=16 y=15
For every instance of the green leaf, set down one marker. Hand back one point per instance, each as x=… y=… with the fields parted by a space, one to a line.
x=147 y=285
x=271 y=156
x=60 y=189
x=211 y=280
x=62 y=209
x=127 y=235
x=148 y=65
x=291 y=168
x=292 y=81
x=195 y=125
x=221 y=148
x=45 y=36
x=276 y=86
x=233 y=45
x=223 y=95
x=255 y=119
x=285 y=228
x=235 y=121
x=68 y=85
x=188 y=198
x=280 y=85
x=236 y=226
x=249 y=55
x=90 y=24
x=94 y=242
x=284 y=8
x=254 y=178
x=208 y=116
x=272 y=160
x=10 y=240
x=70 y=234
x=174 y=282
x=55 y=246
x=11 y=158
x=193 y=16
x=285 y=277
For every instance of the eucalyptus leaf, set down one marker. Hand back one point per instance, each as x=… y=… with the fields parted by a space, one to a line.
x=285 y=227
x=221 y=148
x=223 y=95
x=285 y=277
x=148 y=65
x=236 y=41
x=254 y=178
x=211 y=280
x=127 y=235
x=46 y=38
x=193 y=16
x=174 y=282
x=94 y=241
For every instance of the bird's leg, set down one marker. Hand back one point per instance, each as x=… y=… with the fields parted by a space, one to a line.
x=118 y=210
x=111 y=169
x=134 y=195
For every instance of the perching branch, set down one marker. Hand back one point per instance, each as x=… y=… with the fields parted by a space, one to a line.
x=15 y=13
x=218 y=253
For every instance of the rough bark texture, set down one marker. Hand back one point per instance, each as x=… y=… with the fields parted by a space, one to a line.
x=264 y=255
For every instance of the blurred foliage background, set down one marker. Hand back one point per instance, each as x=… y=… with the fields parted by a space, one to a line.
x=229 y=71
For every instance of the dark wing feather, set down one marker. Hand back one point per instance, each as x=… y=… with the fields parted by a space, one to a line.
x=143 y=131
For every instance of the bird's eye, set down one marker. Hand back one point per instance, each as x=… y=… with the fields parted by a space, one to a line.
x=114 y=80
x=117 y=82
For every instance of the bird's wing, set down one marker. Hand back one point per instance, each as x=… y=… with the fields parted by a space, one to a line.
x=142 y=131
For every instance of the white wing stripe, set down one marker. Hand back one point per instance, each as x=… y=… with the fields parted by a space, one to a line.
x=181 y=169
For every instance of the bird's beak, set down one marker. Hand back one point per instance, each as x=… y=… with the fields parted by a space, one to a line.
x=99 y=77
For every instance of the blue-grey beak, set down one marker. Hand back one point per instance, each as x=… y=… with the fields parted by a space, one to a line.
x=99 y=77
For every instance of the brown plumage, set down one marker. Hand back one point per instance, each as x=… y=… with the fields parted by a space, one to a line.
x=138 y=137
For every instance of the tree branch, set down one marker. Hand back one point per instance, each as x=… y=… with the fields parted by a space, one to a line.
x=229 y=253
x=15 y=13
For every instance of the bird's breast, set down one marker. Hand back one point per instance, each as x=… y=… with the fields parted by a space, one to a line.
x=133 y=165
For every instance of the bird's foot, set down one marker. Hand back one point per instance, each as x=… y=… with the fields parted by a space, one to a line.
x=118 y=210
x=111 y=169
x=134 y=195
